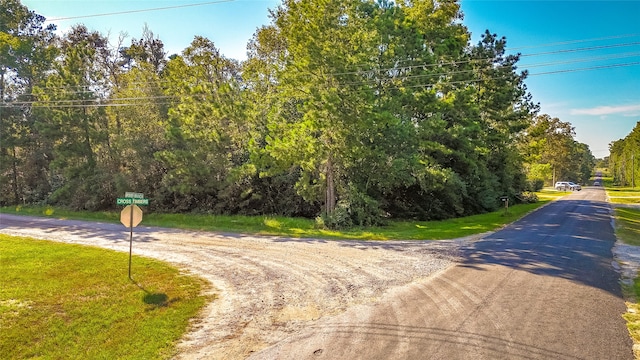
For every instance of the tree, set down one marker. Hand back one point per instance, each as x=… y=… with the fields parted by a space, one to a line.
x=26 y=52
x=138 y=119
x=550 y=141
x=313 y=114
x=376 y=106
x=624 y=159
x=69 y=113
x=206 y=133
x=552 y=154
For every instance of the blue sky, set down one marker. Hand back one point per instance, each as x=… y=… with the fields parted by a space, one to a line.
x=556 y=38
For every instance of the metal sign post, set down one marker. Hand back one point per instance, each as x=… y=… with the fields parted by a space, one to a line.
x=131 y=216
x=130 y=238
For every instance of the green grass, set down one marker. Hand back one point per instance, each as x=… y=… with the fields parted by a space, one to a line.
x=307 y=228
x=628 y=231
x=632 y=316
x=628 y=225
x=549 y=194
x=624 y=195
x=61 y=301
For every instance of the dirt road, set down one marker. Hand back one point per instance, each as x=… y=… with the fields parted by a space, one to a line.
x=268 y=288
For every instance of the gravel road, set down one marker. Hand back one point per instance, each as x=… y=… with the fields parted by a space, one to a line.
x=542 y=288
x=268 y=288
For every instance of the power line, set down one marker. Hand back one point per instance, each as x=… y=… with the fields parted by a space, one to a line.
x=138 y=11
x=431 y=84
x=588 y=68
x=591 y=48
x=364 y=82
x=466 y=81
x=568 y=42
x=424 y=65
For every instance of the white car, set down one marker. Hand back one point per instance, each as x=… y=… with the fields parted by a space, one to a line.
x=567 y=185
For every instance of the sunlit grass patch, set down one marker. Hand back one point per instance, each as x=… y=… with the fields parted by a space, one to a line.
x=632 y=316
x=623 y=195
x=61 y=301
x=272 y=223
x=308 y=228
x=550 y=193
x=628 y=225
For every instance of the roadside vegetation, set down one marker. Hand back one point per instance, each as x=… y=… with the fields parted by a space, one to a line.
x=409 y=119
x=623 y=163
x=628 y=231
x=62 y=301
x=624 y=195
x=307 y=228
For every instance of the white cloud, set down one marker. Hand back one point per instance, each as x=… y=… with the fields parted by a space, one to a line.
x=626 y=110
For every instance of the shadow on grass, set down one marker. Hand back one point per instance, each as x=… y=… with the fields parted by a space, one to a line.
x=155 y=299
x=158 y=299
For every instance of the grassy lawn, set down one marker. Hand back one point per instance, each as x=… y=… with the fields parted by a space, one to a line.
x=628 y=225
x=549 y=194
x=624 y=195
x=61 y=301
x=307 y=228
x=632 y=293
x=628 y=231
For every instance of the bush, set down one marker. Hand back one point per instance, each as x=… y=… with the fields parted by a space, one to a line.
x=535 y=185
x=528 y=197
x=339 y=219
x=356 y=209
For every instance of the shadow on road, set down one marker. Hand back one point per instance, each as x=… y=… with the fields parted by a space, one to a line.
x=570 y=239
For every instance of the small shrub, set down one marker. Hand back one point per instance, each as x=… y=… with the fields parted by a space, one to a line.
x=535 y=185
x=528 y=197
x=356 y=209
x=319 y=223
x=339 y=219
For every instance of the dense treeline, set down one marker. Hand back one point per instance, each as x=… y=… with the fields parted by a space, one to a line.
x=551 y=154
x=624 y=159
x=355 y=109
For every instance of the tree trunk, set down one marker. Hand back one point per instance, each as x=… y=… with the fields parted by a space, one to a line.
x=330 y=201
x=87 y=138
x=14 y=170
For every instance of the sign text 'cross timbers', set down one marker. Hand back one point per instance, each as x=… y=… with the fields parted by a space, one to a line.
x=132 y=198
x=131 y=215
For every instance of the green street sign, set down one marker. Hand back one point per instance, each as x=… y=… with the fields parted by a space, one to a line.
x=132 y=201
x=140 y=201
x=124 y=201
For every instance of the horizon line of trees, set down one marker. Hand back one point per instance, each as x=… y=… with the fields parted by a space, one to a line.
x=357 y=110
x=624 y=159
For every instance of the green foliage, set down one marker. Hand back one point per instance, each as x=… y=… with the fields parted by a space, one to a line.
x=68 y=301
x=392 y=229
x=535 y=185
x=356 y=209
x=362 y=111
x=551 y=154
x=624 y=159
x=529 y=197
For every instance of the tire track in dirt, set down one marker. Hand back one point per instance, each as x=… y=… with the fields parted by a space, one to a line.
x=268 y=288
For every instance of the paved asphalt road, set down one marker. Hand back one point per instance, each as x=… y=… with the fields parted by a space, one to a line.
x=542 y=288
